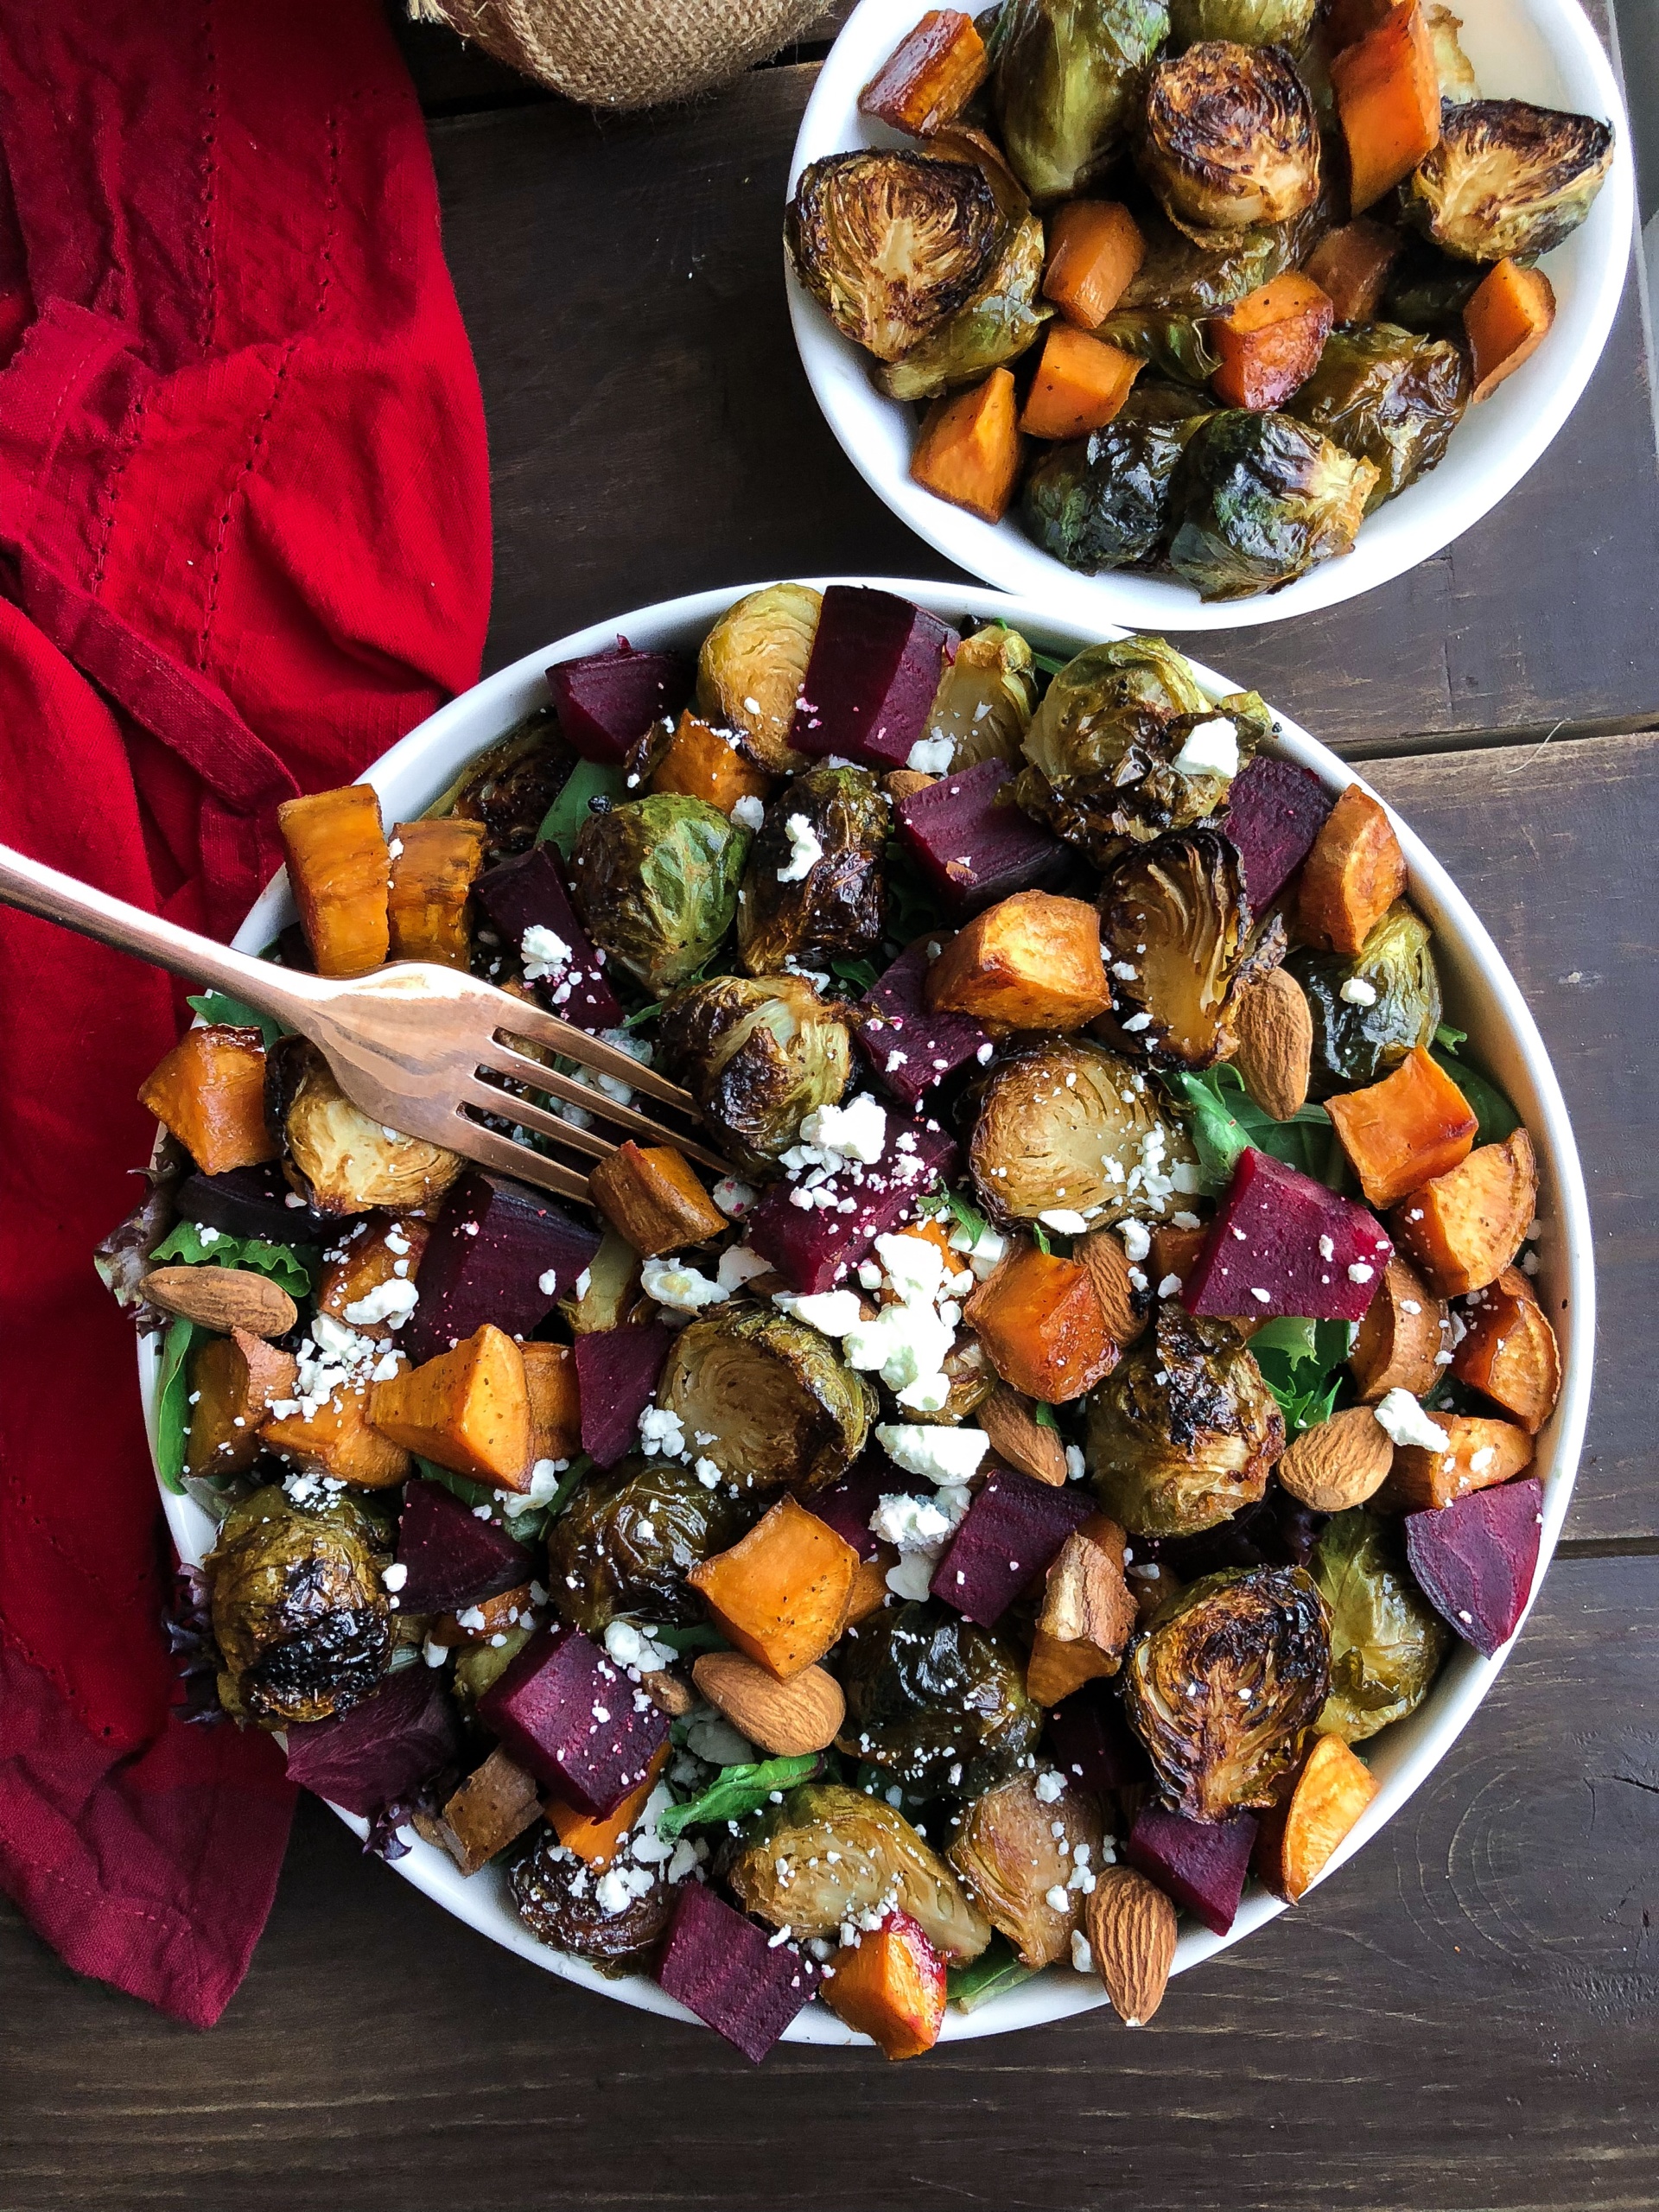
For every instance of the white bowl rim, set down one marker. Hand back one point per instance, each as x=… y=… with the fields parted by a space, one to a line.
x=1443 y=504
x=426 y=761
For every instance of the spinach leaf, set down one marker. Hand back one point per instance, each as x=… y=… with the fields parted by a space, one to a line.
x=528 y=1526
x=588 y=779
x=173 y=1401
x=735 y=1792
x=219 y=1006
x=996 y=1969
x=1039 y=1236
x=1225 y=1120
x=1496 y=1118
x=197 y=1247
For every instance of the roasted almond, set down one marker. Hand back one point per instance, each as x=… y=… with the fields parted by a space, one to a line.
x=904 y=783
x=1275 y=1043
x=1019 y=1438
x=223 y=1298
x=1341 y=1463
x=667 y=1693
x=1107 y=1263
x=786 y=1719
x=1131 y=1925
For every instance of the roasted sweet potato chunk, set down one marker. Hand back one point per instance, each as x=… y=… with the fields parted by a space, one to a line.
x=467 y=1410
x=869 y=1592
x=1414 y=1125
x=651 y=1195
x=1039 y=1324
x=555 y=1407
x=1295 y=1841
x=1270 y=341
x=433 y=865
x=929 y=76
x=210 y=1092
x=780 y=1594
x=494 y=1806
x=1461 y=1230
x=339 y=1441
x=1508 y=318
x=594 y=1838
x=1032 y=962
x=1399 y=1340
x=1477 y=1455
x=1087 y=1616
x=1510 y=1352
x=232 y=1381
x=1353 y=875
x=1350 y=266
x=487 y=1618
x=364 y=1264
x=340 y=871
x=890 y=1985
x=1387 y=89
x=969 y=449
x=1174 y=1252
x=1080 y=383
x=703 y=762
x=1094 y=252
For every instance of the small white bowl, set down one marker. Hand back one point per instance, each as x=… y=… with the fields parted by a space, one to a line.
x=1544 y=51
x=1481 y=997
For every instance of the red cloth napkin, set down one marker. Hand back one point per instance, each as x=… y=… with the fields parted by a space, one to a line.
x=245 y=531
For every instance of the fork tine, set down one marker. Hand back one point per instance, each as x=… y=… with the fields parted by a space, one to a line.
x=531 y=1116
x=504 y=1061
x=524 y=1019
x=491 y=1149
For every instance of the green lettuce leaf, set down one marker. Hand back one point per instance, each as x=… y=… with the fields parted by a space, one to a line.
x=737 y=1791
x=188 y=1243
x=1225 y=1120
x=1497 y=1117
x=1301 y=1363
x=219 y=1006
x=996 y=1969
x=173 y=1401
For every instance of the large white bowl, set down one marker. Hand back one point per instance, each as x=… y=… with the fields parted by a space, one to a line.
x=1541 y=50
x=1481 y=997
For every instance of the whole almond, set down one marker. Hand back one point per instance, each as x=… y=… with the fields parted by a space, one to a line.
x=1275 y=1043
x=1131 y=1926
x=223 y=1298
x=1085 y=1597
x=1019 y=1438
x=667 y=1693
x=1103 y=1255
x=786 y=1719
x=1341 y=1463
x=904 y=783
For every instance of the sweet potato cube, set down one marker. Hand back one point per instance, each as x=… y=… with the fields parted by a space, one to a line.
x=1387 y=89
x=869 y=1592
x=1508 y=318
x=1295 y=1841
x=1461 y=1230
x=340 y=1440
x=555 y=1407
x=339 y=870
x=433 y=865
x=232 y=1381
x=969 y=449
x=1414 y=1125
x=467 y=1410
x=929 y=76
x=494 y=1806
x=1174 y=1252
x=1350 y=265
x=1032 y=962
x=780 y=1593
x=1510 y=1352
x=1477 y=1455
x=1094 y=252
x=890 y=1985
x=364 y=1264
x=1080 y=383
x=1087 y=1614
x=703 y=762
x=1040 y=1325
x=1401 y=1337
x=651 y=1195
x=594 y=1837
x=1270 y=341
x=210 y=1092
x=1351 y=877
x=486 y=1617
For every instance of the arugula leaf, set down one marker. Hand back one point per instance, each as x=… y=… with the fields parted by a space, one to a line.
x=966 y=1217
x=197 y=1248
x=1226 y=1121
x=996 y=1969
x=588 y=779
x=173 y=1401
x=735 y=1792
x=219 y=1006
x=1044 y=1416
x=1496 y=1118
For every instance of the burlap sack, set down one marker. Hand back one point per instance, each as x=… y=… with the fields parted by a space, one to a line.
x=622 y=54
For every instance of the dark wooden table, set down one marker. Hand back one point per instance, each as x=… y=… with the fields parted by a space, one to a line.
x=1465 y=2017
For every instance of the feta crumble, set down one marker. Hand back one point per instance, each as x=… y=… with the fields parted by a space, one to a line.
x=805 y=850
x=748 y=813
x=1211 y=749
x=1407 y=1423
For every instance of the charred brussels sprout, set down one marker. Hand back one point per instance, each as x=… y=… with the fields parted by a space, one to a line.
x=334 y=1156
x=1246 y=22
x=556 y=1893
x=1105 y=501
x=1220 y=1689
x=1015 y=1849
x=890 y=244
x=510 y=788
x=1191 y=277
x=1101 y=732
x=299 y=1612
x=1004 y=316
x=1452 y=64
x=1507 y=179
x=1388 y=396
x=1175 y=933
x=1183 y=1431
x=782 y=1411
x=656 y=881
x=1386 y=1642
x=756 y=1056
x=936 y=1703
x=752 y=666
x=1262 y=500
x=986 y=697
x=1356 y=1045
x=628 y=1538
x=1230 y=138
x=837 y=902
x=827 y=1854
x=1427 y=290
x=1067 y=76
x=1065 y=1123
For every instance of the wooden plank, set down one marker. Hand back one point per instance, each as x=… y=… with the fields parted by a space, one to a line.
x=1464 y=2018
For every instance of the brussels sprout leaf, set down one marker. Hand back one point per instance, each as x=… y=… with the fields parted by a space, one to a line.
x=736 y=1792
x=588 y=779
x=1498 y=1119
x=1226 y=1121
x=996 y=1969
x=197 y=1247
x=173 y=1401
x=219 y=1006
x=1174 y=344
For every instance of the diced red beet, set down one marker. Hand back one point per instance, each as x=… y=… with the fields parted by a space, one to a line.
x=973 y=845
x=607 y=702
x=528 y=892
x=908 y=1047
x=848 y=1504
x=617 y=1370
x=812 y=1246
x=1008 y=1539
x=570 y=1717
x=1266 y=1237
x=1198 y=1864
x=726 y=1970
x=1274 y=811
x=1092 y=1742
x=453 y=1558
x=498 y=1252
x=869 y=685
x=1476 y=1558
x=380 y=1751
x=252 y=1201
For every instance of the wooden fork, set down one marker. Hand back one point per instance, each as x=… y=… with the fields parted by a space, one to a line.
x=411 y=1044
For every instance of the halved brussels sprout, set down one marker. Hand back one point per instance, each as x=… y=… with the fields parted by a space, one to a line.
x=1356 y=1045
x=1246 y=22
x=299 y=1613
x=986 y=697
x=1098 y=733
x=1220 y=1689
x=1015 y=1849
x=1191 y=277
x=510 y=788
x=334 y=1156
x=629 y=1537
x=1004 y=316
x=1183 y=1431
x=1063 y=1123
x=1387 y=396
x=839 y=905
x=1067 y=77
x=1508 y=178
x=753 y=663
x=1105 y=501
x=829 y=1854
x=1174 y=934
x=935 y=1701
x=890 y=244
x=777 y=1407
x=1262 y=500
x=478 y=1665
x=656 y=883
x=556 y=1894
x=1387 y=1641
x=756 y=1056
x=1427 y=290
x=1230 y=139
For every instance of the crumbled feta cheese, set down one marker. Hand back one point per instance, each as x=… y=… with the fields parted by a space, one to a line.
x=805 y=850
x=713 y=1737
x=393 y=1301
x=942 y=1455
x=903 y=1342
x=1056 y=1899
x=1264 y=1296
x=434 y=1653
x=1211 y=749
x=581 y=1283
x=633 y=1646
x=931 y=756
x=834 y=1311
x=1125 y=970
x=1136 y=1022
x=1064 y=1220
x=748 y=813
x=548 y=1282
x=1168 y=1286
x=737 y=1265
x=858 y=1131
x=1048 y=1786
x=1358 y=1271
x=913 y=1265
x=544 y=953
x=1083 y=1959
x=733 y=1197
x=910 y=1578
x=660 y=1431
x=685 y=1290
x=1485 y=1460
x=1137 y=1242
x=395 y=1576
x=1076 y=1466
x=544 y=1478
x=912 y=1524
x=1357 y=992
x=1406 y=1422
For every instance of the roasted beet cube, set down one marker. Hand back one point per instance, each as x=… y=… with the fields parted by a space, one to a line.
x=381 y=1749
x=253 y=1202
x=1476 y=1558
x=848 y=1504
x=908 y=1047
x=617 y=1370
x=570 y=1717
x=729 y=1972
x=812 y=1245
x=875 y=666
x=1199 y=1864
x=453 y=1558
x=1274 y=811
x=1092 y=1742
x=1013 y=1530
x=1282 y=1243
x=973 y=846
x=607 y=702
x=528 y=892
x=500 y=1252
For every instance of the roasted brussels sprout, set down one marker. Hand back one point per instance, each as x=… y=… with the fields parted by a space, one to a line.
x=756 y=1056
x=299 y=1612
x=1104 y=501
x=1507 y=179
x=557 y=1897
x=827 y=1854
x=1452 y=66
x=1245 y=22
x=510 y=788
x=656 y=883
x=817 y=879
x=936 y=1703
x=478 y=1665
x=1175 y=933
x=1183 y=1431
x=1264 y=499
x=1099 y=734
x=1066 y=78
x=1355 y=1045
x=628 y=1538
x=986 y=697
x=1015 y=1849
x=1387 y=1641
x=1220 y=1689
x=890 y=244
x=1191 y=277
x=779 y=1410
x=334 y=1156
x=1004 y=316
x=1229 y=138
x=752 y=666
x=1063 y=1123
x=1426 y=290
x=1387 y=396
